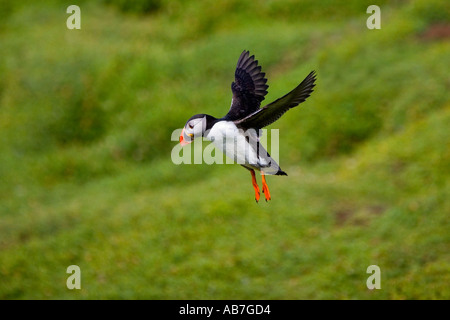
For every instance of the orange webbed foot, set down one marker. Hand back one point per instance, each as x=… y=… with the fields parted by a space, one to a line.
x=255 y=186
x=265 y=188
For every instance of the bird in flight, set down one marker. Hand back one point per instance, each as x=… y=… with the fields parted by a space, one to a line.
x=237 y=133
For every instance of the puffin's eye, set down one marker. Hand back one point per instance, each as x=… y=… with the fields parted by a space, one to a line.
x=191 y=126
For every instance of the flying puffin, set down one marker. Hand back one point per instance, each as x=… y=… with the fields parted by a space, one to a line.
x=237 y=133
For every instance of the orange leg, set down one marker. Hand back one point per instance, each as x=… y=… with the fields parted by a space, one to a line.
x=265 y=187
x=255 y=185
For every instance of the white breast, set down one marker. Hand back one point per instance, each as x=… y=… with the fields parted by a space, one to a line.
x=234 y=143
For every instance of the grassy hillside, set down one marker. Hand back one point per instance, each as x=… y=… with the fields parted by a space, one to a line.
x=86 y=176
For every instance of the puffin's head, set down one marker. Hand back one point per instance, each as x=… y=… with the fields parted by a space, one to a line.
x=195 y=127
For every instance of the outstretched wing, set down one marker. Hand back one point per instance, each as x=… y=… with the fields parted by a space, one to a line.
x=273 y=111
x=249 y=87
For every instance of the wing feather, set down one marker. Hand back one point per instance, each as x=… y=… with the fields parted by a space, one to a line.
x=270 y=113
x=249 y=87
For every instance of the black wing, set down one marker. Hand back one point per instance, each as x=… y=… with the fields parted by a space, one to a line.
x=273 y=111
x=249 y=87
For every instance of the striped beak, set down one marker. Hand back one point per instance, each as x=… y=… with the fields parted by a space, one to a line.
x=185 y=138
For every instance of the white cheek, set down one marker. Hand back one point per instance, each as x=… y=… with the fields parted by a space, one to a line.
x=197 y=130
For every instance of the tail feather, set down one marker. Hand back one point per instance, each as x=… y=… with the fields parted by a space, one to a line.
x=281 y=173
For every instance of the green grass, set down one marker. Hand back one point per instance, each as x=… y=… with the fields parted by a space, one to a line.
x=86 y=176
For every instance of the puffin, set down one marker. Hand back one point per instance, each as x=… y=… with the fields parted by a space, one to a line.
x=237 y=133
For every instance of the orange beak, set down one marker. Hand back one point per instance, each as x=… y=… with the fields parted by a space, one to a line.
x=183 y=141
